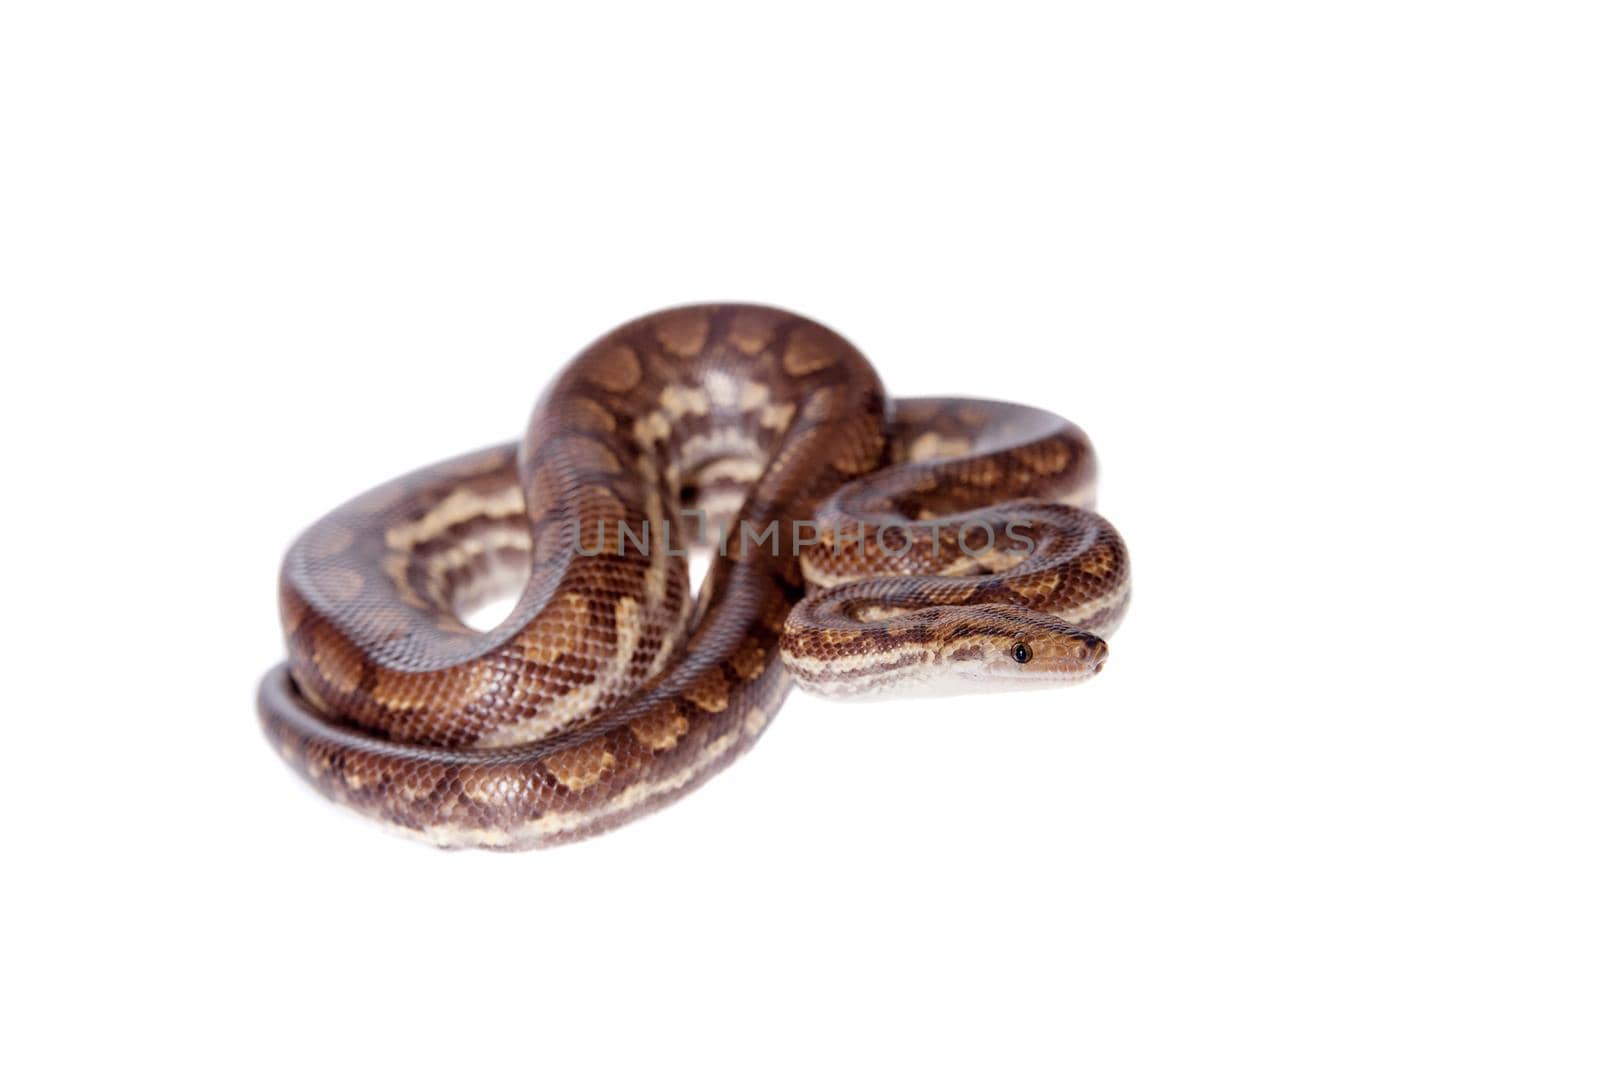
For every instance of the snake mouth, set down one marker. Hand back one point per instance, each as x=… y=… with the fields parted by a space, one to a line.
x=1084 y=660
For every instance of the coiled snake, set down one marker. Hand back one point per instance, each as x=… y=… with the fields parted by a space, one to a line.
x=946 y=544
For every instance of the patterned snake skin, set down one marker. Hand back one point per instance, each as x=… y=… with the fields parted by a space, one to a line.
x=946 y=544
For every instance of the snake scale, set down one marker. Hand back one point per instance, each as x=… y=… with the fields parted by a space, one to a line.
x=861 y=547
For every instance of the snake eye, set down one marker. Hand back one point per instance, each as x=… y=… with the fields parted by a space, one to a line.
x=1021 y=652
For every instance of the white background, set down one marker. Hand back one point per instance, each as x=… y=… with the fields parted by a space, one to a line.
x=1319 y=279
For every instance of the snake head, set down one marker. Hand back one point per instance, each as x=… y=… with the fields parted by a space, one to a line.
x=994 y=647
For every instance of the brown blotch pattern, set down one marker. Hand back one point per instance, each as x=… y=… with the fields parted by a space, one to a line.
x=616 y=371
x=660 y=729
x=808 y=351
x=752 y=330
x=582 y=766
x=683 y=333
x=710 y=693
x=749 y=660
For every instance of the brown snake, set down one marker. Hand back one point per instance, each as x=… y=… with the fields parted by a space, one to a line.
x=946 y=544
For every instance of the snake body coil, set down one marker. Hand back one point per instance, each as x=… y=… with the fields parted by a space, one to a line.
x=947 y=546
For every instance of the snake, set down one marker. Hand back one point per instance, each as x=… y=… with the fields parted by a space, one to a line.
x=860 y=546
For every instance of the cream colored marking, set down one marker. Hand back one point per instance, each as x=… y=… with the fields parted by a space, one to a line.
x=680 y=400
x=460 y=506
x=655 y=576
x=838 y=665
x=1088 y=610
x=734 y=469
x=1081 y=496
x=655 y=581
x=491 y=787
x=578 y=703
x=722 y=505
x=444 y=835
x=959 y=567
x=721 y=443
x=669 y=644
x=879 y=612
x=721 y=388
x=494 y=539
x=754 y=395
x=316 y=701
x=996 y=560
x=931 y=445
x=651 y=428
x=777 y=417
x=756 y=721
x=815 y=574
x=472 y=467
